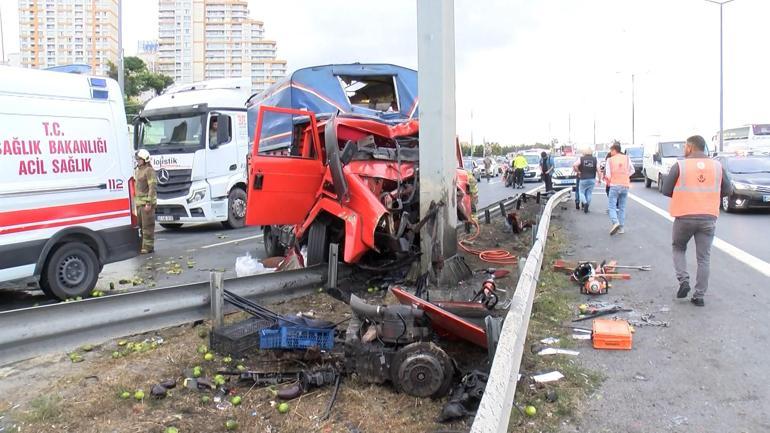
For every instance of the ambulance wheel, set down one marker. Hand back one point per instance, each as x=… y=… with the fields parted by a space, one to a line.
x=236 y=209
x=317 y=243
x=71 y=271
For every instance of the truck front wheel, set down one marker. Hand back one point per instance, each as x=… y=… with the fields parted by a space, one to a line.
x=236 y=209
x=317 y=243
x=71 y=271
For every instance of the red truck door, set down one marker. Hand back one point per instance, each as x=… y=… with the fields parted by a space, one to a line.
x=283 y=183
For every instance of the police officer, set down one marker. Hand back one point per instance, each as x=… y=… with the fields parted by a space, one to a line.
x=520 y=165
x=145 y=199
x=696 y=186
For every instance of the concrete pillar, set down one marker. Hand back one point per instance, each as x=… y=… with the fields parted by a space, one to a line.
x=438 y=160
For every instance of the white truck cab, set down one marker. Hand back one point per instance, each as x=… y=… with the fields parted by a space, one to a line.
x=197 y=135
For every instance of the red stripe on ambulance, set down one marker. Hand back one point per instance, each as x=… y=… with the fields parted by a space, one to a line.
x=41 y=215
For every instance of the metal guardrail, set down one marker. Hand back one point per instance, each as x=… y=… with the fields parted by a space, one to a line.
x=30 y=332
x=495 y=409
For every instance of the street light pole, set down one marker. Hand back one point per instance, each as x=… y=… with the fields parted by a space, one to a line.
x=721 y=74
x=121 y=72
x=2 y=38
x=633 y=107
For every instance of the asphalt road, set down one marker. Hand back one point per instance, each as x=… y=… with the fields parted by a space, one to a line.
x=707 y=371
x=745 y=230
x=197 y=249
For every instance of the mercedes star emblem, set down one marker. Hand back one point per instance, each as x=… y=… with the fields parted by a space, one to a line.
x=163 y=176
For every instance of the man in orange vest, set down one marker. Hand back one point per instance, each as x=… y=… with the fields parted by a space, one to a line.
x=617 y=173
x=696 y=186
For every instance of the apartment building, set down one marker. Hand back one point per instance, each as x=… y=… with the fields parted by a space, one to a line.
x=64 y=32
x=208 y=39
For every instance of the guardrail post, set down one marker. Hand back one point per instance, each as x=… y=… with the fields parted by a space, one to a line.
x=333 y=263
x=487 y=216
x=502 y=208
x=217 y=299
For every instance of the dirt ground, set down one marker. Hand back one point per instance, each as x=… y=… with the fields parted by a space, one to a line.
x=53 y=393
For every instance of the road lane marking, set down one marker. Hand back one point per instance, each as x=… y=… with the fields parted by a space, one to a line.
x=219 y=244
x=742 y=256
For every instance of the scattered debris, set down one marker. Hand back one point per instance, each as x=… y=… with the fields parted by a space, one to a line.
x=552 y=376
x=465 y=397
x=648 y=320
x=549 y=340
x=557 y=351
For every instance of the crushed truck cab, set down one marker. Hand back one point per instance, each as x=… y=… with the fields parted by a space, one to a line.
x=347 y=177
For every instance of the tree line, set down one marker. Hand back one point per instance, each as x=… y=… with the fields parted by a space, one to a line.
x=497 y=149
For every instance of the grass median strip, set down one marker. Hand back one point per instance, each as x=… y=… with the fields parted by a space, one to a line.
x=560 y=401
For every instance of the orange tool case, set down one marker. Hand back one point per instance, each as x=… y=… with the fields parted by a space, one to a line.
x=611 y=334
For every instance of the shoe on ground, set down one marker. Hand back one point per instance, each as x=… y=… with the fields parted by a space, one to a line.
x=146 y=251
x=698 y=302
x=577 y=205
x=684 y=289
x=614 y=229
x=585 y=208
x=621 y=230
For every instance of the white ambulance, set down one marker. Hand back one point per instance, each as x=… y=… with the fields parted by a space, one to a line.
x=197 y=136
x=66 y=168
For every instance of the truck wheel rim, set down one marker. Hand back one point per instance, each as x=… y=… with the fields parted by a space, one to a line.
x=71 y=271
x=239 y=208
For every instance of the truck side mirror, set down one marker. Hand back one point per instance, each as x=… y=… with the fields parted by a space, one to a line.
x=656 y=157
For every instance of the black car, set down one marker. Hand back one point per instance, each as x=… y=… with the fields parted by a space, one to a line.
x=750 y=176
x=637 y=159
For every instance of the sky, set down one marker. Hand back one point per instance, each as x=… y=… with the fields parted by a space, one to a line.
x=531 y=70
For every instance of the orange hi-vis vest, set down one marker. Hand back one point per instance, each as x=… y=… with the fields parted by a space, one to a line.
x=697 y=190
x=620 y=170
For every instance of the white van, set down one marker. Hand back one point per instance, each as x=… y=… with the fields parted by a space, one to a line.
x=201 y=174
x=66 y=170
x=659 y=156
x=755 y=137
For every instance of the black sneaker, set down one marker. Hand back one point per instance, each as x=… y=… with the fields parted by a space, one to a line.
x=577 y=205
x=684 y=289
x=698 y=302
x=585 y=208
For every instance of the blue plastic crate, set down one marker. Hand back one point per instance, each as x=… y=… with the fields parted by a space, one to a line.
x=296 y=337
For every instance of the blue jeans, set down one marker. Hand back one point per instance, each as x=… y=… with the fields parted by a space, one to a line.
x=585 y=189
x=617 y=204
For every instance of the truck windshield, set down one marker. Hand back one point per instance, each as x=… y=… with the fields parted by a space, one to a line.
x=672 y=149
x=174 y=134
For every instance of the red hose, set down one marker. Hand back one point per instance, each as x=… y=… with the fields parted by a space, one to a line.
x=495 y=256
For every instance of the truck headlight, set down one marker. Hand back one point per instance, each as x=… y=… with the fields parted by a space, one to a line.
x=197 y=195
x=744 y=186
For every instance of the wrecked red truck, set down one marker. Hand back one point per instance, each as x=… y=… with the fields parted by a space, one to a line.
x=335 y=159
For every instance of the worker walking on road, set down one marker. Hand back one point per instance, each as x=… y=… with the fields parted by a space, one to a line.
x=488 y=168
x=618 y=173
x=145 y=199
x=586 y=168
x=520 y=164
x=696 y=186
x=546 y=166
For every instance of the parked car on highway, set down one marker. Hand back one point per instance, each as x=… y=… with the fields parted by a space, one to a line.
x=750 y=177
x=659 y=157
x=563 y=174
x=66 y=181
x=601 y=156
x=493 y=169
x=636 y=153
x=534 y=173
x=471 y=166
